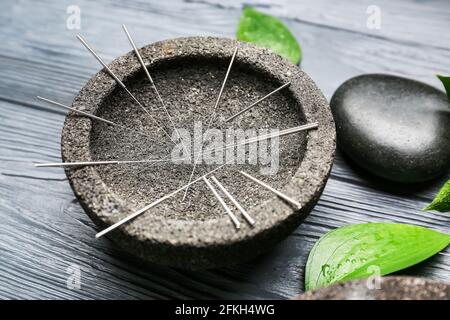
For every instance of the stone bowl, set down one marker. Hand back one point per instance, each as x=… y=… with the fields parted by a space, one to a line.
x=188 y=72
x=388 y=288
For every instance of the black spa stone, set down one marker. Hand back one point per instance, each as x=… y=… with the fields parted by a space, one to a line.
x=396 y=128
x=188 y=72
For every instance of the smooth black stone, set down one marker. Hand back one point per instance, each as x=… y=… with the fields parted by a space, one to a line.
x=393 y=127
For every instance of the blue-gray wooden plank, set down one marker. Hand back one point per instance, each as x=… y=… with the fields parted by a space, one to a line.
x=44 y=230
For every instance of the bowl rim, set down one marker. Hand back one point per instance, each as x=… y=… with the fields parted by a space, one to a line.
x=105 y=208
x=391 y=287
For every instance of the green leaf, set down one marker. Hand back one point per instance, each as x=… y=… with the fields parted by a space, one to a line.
x=442 y=200
x=269 y=32
x=357 y=251
x=446 y=82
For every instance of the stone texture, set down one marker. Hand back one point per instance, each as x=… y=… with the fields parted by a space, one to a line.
x=394 y=127
x=189 y=72
x=391 y=288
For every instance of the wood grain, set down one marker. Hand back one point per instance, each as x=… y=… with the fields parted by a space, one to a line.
x=44 y=230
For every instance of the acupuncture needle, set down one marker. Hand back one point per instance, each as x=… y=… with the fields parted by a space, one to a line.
x=247 y=217
x=232 y=145
x=112 y=74
x=257 y=102
x=222 y=202
x=211 y=119
x=109 y=122
x=141 y=61
x=266 y=186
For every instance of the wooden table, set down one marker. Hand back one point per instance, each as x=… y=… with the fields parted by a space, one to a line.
x=43 y=230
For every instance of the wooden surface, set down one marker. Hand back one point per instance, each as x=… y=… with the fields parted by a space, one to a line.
x=43 y=229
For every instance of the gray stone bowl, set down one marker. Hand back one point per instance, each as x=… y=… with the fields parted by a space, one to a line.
x=388 y=288
x=188 y=72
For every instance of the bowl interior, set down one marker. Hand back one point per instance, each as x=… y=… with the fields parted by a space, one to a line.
x=189 y=87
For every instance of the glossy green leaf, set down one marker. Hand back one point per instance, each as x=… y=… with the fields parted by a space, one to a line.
x=446 y=82
x=442 y=200
x=268 y=32
x=358 y=251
